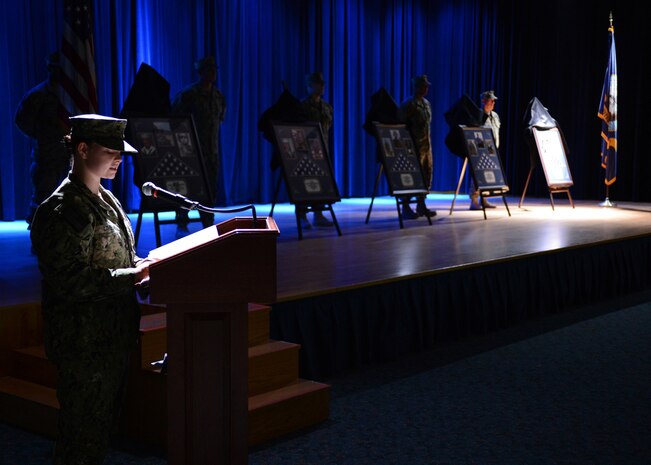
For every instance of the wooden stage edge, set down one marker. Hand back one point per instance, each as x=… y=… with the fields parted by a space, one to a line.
x=380 y=253
x=452 y=268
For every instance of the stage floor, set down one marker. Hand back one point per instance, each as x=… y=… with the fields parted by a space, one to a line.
x=381 y=252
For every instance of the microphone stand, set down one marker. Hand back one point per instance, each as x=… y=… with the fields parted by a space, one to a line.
x=197 y=206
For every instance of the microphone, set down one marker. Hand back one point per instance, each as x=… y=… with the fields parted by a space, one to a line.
x=152 y=190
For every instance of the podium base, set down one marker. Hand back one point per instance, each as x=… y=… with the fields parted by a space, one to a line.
x=607 y=203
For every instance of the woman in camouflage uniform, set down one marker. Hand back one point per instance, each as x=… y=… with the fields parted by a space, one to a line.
x=86 y=255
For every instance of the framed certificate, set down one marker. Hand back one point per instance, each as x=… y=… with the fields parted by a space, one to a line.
x=553 y=158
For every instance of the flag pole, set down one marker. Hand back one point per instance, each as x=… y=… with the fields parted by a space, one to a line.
x=607 y=203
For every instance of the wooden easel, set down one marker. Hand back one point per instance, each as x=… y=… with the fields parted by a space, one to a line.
x=481 y=153
x=398 y=159
x=308 y=207
x=403 y=197
x=483 y=193
x=551 y=152
x=552 y=190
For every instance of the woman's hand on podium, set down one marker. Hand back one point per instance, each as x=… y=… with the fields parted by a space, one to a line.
x=142 y=271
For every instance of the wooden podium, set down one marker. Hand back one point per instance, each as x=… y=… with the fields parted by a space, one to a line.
x=206 y=280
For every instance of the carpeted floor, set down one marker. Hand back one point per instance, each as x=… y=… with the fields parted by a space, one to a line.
x=566 y=389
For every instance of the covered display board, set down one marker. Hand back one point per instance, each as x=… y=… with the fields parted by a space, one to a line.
x=399 y=159
x=484 y=159
x=552 y=156
x=305 y=163
x=169 y=156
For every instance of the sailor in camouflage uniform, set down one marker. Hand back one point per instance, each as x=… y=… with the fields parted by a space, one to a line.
x=41 y=117
x=491 y=120
x=316 y=109
x=86 y=254
x=416 y=112
x=207 y=105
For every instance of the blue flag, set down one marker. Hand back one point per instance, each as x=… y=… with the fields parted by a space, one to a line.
x=608 y=114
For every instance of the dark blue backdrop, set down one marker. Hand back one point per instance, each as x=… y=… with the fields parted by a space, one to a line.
x=557 y=54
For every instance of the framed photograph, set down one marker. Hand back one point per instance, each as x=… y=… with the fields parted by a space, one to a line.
x=399 y=160
x=169 y=156
x=305 y=163
x=552 y=157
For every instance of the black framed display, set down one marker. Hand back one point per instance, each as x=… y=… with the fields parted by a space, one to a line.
x=484 y=160
x=399 y=159
x=552 y=157
x=305 y=163
x=396 y=153
x=169 y=156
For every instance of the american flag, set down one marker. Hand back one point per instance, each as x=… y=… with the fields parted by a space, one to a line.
x=78 y=80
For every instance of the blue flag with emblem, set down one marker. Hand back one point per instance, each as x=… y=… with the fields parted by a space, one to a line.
x=608 y=114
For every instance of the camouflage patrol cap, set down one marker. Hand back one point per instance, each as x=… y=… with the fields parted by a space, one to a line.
x=420 y=81
x=314 y=78
x=205 y=62
x=488 y=95
x=103 y=130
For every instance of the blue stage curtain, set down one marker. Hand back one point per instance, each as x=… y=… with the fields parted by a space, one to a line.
x=360 y=45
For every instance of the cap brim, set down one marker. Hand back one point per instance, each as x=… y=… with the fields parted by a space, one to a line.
x=128 y=148
x=116 y=144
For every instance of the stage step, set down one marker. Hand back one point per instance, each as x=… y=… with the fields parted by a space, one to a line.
x=272 y=366
x=32 y=365
x=279 y=402
x=285 y=410
x=153 y=330
x=28 y=405
x=35 y=408
x=258 y=324
x=20 y=326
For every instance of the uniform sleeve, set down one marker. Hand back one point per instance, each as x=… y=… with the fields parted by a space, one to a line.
x=63 y=247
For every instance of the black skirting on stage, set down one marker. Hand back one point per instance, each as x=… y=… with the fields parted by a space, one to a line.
x=344 y=330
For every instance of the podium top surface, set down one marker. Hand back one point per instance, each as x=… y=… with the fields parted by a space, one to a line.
x=219 y=232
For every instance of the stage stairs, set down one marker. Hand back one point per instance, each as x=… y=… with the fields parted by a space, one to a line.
x=279 y=401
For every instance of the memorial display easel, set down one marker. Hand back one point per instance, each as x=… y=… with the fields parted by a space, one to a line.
x=547 y=145
x=306 y=170
x=552 y=155
x=399 y=161
x=206 y=280
x=169 y=155
x=485 y=165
